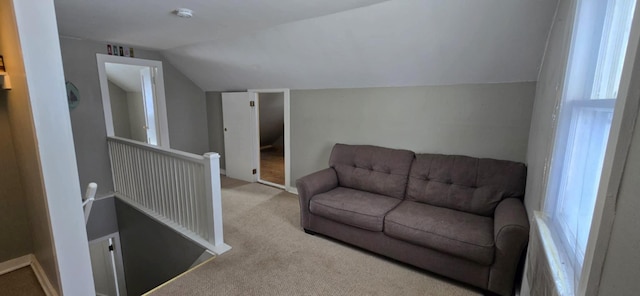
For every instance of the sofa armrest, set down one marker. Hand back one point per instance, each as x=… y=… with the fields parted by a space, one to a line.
x=511 y=224
x=511 y=234
x=313 y=184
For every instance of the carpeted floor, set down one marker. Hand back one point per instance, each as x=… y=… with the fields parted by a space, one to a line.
x=20 y=282
x=271 y=255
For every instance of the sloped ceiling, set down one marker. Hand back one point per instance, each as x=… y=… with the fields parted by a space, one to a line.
x=330 y=44
x=124 y=76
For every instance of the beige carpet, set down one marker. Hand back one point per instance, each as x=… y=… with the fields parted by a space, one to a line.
x=271 y=255
x=20 y=282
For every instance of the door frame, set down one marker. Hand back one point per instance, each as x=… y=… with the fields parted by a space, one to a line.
x=118 y=263
x=287 y=135
x=160 y=106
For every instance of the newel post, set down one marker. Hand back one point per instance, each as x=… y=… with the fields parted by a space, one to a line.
x=214 y=198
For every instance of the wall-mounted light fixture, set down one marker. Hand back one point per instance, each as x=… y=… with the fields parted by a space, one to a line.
x=5 y=81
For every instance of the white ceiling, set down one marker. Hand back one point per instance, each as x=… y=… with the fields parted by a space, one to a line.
x=235 y=45
x=151 y=23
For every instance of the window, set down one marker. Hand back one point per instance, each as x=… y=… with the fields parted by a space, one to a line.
x=599 y=42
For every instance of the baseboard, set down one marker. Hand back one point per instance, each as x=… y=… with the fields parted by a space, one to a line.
x=223 y=172
x=29 y=260
x=14 y=264
x=293 y=190
x=177 y=277
x=42 y=277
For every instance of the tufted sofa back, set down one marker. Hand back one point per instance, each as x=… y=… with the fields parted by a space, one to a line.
x=373 y=169
x=474 y=185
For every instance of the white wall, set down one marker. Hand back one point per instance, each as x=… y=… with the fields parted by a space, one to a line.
x=548 y=92
x=622 y=259
x=488 y=120
x=44 y=143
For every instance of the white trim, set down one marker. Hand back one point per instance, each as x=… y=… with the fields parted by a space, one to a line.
x=223 y=172
x=31 y=261
x=622 y=128
x=14 y=264
x=177 y=277
x=271 y=184
x=562 y=276
x=293 y=190
x=256 y=137
x=177 y=228
x=287 y=131
x=48 y=289
x=160 y=101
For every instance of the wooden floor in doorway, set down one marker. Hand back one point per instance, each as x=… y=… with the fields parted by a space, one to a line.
x=272 y=165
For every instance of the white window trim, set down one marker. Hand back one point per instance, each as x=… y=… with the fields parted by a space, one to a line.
x=627 y=107
x=626 y=111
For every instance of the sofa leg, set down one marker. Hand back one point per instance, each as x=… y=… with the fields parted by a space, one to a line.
x=309 y=231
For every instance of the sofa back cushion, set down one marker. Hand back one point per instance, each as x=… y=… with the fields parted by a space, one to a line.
x=373 y=169
x=474 y=185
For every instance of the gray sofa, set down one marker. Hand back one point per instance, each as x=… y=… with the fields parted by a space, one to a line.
x=457 y=216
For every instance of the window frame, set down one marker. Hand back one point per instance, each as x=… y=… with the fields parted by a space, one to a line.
x=624 y=116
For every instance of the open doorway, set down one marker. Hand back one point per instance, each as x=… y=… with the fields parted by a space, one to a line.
x=107 y=266
x=271 y=138
x=133 y=99
x=132 y=102
x=242 y=140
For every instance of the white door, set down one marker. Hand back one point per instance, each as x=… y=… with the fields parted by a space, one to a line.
x=240 y=135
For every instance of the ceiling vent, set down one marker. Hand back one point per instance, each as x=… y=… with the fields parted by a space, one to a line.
x=184 y=12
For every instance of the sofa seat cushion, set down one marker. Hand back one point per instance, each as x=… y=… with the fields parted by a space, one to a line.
x=353 y=207
x=457 y=233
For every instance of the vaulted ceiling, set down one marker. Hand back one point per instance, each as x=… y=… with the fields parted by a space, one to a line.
x=234 y=45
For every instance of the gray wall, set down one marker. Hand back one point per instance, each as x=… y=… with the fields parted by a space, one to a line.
x=152 y=253
x=271 y=117
x=102 y=220
x=15 y=237
x=119 y=111
x=490 y=120
x=215 y=123
x=186 y=110
x=135 y=104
